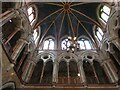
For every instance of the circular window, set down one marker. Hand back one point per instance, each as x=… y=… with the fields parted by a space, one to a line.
x=45 y=57
x=67 y=57
x=89 y=57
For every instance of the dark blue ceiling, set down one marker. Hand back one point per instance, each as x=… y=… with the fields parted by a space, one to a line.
x=71 y=25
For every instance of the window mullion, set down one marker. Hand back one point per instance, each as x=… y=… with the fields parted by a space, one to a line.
x=49 y=45
x=106 y=13
x=84 y=45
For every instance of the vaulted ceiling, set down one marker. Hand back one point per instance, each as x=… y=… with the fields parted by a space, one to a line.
x=59 y=19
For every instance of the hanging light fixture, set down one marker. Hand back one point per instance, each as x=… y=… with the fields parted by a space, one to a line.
x=73 y=44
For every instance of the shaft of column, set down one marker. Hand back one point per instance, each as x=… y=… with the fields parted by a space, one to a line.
x=68 y=72
x=17 y=49
x=81 y=72
x=41 y=77
x=27 y=72
x=21 y=61
x=55 y=73
x=109 y=70
x=95 y=73
x=6 y=16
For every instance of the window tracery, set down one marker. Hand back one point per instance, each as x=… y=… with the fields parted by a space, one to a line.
x=65 y=44
x=84 y=44
x=31 y=15
x=99 y=33
x=104 y=13
x=49 y=44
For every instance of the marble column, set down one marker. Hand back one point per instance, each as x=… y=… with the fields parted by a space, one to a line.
x=81 y=72
x=28 y=71
x=95 y=74
x=17 y=49
x=55 y=72
x=6 y=16
x=41 y=77
x=110 y=71
x=22 y=60
x=68 y=72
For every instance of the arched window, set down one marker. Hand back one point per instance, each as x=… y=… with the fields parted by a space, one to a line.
x=31 y=15
x=104 y=13
x=84 y=44
x=99 y=33
x=65 y=44
x=49 y=44
x=35 y=36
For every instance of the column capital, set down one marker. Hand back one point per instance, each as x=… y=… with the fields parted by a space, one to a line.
x=31 y=61
x=24 y=40
x=17 y=11
x=105 y=61
x=55 y=62
x=80 y=62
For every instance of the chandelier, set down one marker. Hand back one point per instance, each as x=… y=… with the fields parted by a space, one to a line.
x=74 y=45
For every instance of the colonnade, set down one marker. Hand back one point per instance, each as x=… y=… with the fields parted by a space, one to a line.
x=82 y=78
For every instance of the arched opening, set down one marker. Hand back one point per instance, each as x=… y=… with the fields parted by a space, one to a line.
x=100 y=73
x=35 y=79
x=31 y=14
x=99 y=34
x=63 y=73
x=10 y=36
x=85 y=43
x=21 y=58
x=104 y=13
x=49 y=44
x=47 y=75
x=35 y=36
x=73 y=71
x=7 y=31
x=21 y=64
x=16 y=37
x=89 y=73
x=65 y=44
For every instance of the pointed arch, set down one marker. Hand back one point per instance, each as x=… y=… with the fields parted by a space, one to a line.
x=85 y=43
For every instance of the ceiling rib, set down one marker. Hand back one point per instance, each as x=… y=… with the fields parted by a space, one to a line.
x=61 y=25
x=77 y=30
x=85 y=29
x=81 y=3
x=49 y=28
x=55 y=31
x=86 y=17
x=71 y=24
x=47 y=17
x=87 y=22
x=61 y=5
